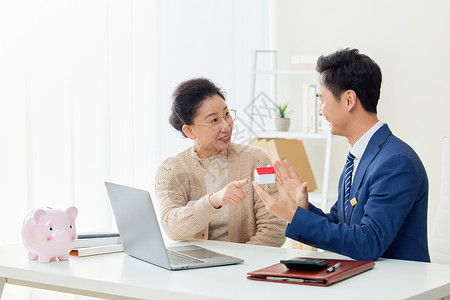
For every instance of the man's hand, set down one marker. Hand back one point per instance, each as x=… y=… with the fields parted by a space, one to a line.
x=291 y=183
x=284 y=206
x=230 y=194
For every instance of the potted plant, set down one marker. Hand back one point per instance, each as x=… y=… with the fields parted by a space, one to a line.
x=281 y=122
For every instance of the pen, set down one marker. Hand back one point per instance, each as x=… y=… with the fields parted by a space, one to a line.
x=332 y=268
x=289 y=279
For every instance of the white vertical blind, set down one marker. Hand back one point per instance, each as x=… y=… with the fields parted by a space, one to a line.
x=85 y=91
x=77 y=79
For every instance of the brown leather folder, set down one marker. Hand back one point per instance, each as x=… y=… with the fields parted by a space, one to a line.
x=280 y=273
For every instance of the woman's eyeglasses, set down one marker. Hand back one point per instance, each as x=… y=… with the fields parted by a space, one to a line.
x=215 y=123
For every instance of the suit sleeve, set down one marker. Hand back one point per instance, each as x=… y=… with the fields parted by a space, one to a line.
x=391 y=190
x=332 y=216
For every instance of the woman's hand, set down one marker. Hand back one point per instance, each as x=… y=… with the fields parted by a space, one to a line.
x=230 y=194
x=289 y=180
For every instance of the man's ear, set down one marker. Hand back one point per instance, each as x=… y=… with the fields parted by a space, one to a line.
x=350 y=98
x=187 y=129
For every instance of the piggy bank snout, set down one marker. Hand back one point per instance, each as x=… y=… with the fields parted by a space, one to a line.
x=62 y=236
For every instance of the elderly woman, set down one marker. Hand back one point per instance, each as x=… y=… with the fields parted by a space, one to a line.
x=205 y=191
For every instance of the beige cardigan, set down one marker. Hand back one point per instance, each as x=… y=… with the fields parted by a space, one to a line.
x=185 y=208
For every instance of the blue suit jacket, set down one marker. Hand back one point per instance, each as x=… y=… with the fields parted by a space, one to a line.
x=390 y=217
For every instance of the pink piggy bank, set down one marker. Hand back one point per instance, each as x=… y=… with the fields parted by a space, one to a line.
x=49 y=233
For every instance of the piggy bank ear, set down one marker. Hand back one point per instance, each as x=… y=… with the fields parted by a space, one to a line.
x=38 y=215
x=72 y=211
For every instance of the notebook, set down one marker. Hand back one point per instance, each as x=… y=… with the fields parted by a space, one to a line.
x=141 y=235
x=280 y=273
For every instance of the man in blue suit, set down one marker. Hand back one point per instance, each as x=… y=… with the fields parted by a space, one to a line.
x=381 y=209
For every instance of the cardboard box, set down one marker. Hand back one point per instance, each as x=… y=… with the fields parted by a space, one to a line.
x=301 y=246
x=260 y=143
x=292 y=150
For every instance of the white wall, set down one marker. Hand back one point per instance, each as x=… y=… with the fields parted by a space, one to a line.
x=212 y=39
x=408 y=39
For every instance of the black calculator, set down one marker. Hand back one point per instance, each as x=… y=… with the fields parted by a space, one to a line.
x=305 y=264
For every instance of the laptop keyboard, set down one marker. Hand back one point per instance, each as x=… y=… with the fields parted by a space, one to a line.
x=177 y=258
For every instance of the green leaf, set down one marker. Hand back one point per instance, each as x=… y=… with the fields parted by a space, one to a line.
x=281 y=110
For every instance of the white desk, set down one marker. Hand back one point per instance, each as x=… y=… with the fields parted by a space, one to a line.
x=117 y=275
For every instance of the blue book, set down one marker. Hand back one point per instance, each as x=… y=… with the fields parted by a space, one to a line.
x=97 y=239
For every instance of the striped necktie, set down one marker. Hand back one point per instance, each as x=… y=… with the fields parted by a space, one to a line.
x=348 y=182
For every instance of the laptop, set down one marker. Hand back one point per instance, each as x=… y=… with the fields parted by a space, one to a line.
x=141 y=235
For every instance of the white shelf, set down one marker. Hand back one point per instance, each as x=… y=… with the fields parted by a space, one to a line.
x=291 y=135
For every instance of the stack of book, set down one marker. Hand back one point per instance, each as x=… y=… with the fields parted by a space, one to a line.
x=312 y=122
x=96 y=243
